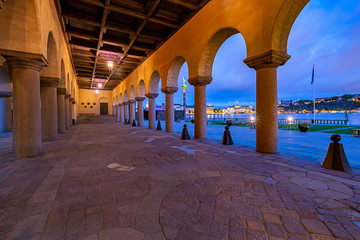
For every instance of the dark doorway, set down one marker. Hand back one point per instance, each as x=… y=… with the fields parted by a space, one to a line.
x=103 y=108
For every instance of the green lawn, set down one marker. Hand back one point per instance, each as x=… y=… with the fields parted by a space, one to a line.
x=344 y=131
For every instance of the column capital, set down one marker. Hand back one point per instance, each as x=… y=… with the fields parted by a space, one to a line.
x=5 y=94
x=151 y=95
x=200 y=80
x=169 y=90
x=269 y=59
x=132 y=101
x=120 y=104
x=67 y=96
x=49 y=81
x=61 y=91
x=71 y=99
x=126 y=103
x=19 y=62
x=140 y=99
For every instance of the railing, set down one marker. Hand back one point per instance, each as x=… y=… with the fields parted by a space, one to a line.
x=317 y=121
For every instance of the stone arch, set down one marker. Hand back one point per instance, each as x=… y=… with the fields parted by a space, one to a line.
x=284 y=21
x=154 y=82
x=52 y=68
x=211 y=48
x=103 y=100
x=120 y=98
x=132 y=93
x=62 y=75
x=141 y=90
x=174 y=70
x=125 y=97
x=5 y=80
x=67 y=83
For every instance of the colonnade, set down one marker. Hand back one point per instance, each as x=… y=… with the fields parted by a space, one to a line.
x=41 y=110
x=265 y=65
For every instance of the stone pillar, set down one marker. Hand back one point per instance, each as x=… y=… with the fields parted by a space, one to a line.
x=27 y=114
x=121 y=107
x=67 y=111
x=118 y=113
x=49 y=112
x=169 y=108
x=126 y=113
x=5 y=112
x=132 y=110
x=140 y=112
x=71 y=104
x=200 y=82
x=266 y=64
x=61 y=109
x=152 y=109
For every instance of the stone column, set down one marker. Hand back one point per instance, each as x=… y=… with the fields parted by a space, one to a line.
x=152 y=109
x=132 y=110
x=140 y=112
x=49 y=112
x=169 y=108
x=67 y=111
x=126 y=113
x=266 y=64
x=5 y=112
x=121 y=107
x=61 y=109
x=118 y=113
x=71 y=104
x=27 y=114
x=199 y=83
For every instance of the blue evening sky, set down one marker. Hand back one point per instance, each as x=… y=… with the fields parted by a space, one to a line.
x=327 y=34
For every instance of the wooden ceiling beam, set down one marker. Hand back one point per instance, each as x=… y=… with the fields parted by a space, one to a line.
x=128 y=12
x=82 y=53
x=163 y=22
x=185 y=4
x=97 y=3
x=81 y=18
x=82 y=43
x=120 y=28
x=116 y=41
x=81 y=33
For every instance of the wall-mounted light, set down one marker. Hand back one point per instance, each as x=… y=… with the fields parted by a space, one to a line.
x=100 y=85
x=97 y=91
x=110 y=64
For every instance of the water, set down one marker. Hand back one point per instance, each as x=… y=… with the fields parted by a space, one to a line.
x=354 y=118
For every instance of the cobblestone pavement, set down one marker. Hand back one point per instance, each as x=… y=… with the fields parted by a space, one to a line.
x=110 y=181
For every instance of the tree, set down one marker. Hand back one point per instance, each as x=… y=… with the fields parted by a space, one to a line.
x=347 y=96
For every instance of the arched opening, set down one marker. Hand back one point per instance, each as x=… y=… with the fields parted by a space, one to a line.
x=331 y=44
x=141 y=89
x=156 y=100
x=5 y=97
x=132 y=93
x=232 y=82
x=62 y=75
x=105 y=107
x=52 y=68
x=178 y=75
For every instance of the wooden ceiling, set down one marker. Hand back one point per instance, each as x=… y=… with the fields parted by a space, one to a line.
x=123 y=31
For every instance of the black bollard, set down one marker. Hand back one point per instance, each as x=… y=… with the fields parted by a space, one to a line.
x=185 y=133
x=134 y=123
x=159 y=126
x=227 y=140
x=335 y=157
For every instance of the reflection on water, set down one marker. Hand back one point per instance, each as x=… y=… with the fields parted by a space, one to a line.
x=354 y=118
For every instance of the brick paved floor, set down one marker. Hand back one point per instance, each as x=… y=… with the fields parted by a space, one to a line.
x=103 y=180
